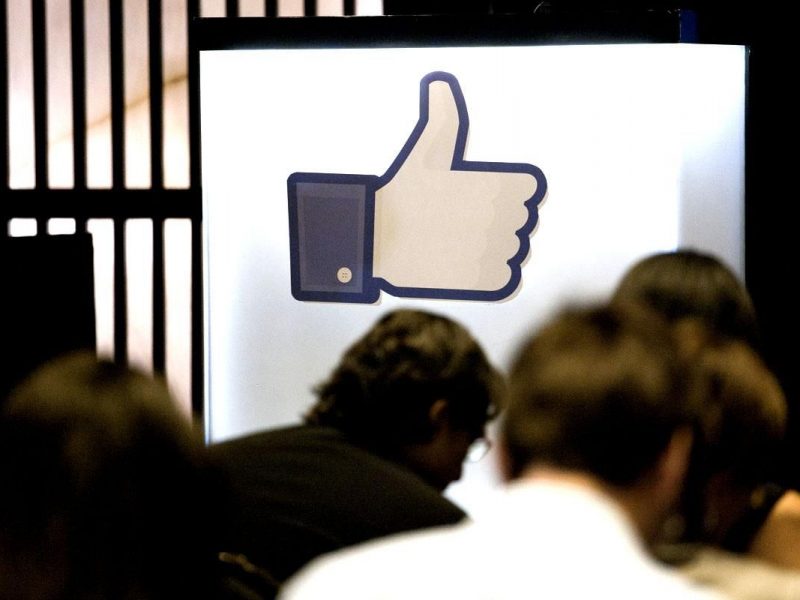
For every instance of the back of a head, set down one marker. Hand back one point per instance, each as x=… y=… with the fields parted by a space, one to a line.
x=381 y=392
x=691 y=284
x=597 y=390
x=745 y=410
x=103 y=486
x=739 y=441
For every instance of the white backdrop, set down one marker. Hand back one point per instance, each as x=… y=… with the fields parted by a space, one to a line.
x=642 y=147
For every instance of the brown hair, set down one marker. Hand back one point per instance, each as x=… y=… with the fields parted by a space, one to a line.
x=597 y=389
x=105 y=487
x=381 y=391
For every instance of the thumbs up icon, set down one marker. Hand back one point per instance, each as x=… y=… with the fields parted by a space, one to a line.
x=434 y=225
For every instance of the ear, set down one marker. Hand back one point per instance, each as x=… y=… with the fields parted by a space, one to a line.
x=503 y=461
x=438 y=414
x=674 y=462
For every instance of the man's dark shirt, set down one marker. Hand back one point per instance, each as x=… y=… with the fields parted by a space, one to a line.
x=305 y=490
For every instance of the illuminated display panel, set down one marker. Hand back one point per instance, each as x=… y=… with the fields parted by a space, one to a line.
x=641 y=146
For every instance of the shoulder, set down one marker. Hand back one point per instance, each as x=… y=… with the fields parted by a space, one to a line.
x=334 y=480
x=286 y=433
x=778 y=539
x=741 y=577
x=370 y=569
x=275 y=444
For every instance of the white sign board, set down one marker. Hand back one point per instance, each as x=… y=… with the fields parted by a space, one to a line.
x=641 y=149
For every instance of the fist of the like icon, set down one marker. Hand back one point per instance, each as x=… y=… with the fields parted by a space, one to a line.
x=434 y=225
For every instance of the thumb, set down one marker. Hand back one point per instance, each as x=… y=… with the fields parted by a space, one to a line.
x=441 y=132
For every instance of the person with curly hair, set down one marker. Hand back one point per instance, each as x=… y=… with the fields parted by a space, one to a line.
x=389 y=431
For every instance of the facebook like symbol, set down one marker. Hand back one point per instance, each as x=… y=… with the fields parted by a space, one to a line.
x=432 y=226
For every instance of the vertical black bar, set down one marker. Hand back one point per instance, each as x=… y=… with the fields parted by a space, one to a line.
x=118 y=177
x=120 y=294
x=5 y=166
x=271 y=8
x=156 y=95
x=155 y=42
x=349 y=7
x=78 y=59
x=117 y=64
x=40 y=117
x=193 y=82
x=310 y=8
x=231 y=8
x=197 y=342
x=159 y=299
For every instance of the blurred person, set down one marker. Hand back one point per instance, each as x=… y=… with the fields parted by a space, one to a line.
x=741 y=431
x=106 y=489
x=688 y=285
x=595 y=441
x=389 y=431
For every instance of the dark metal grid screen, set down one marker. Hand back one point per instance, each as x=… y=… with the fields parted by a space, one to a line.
x=118 y=202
